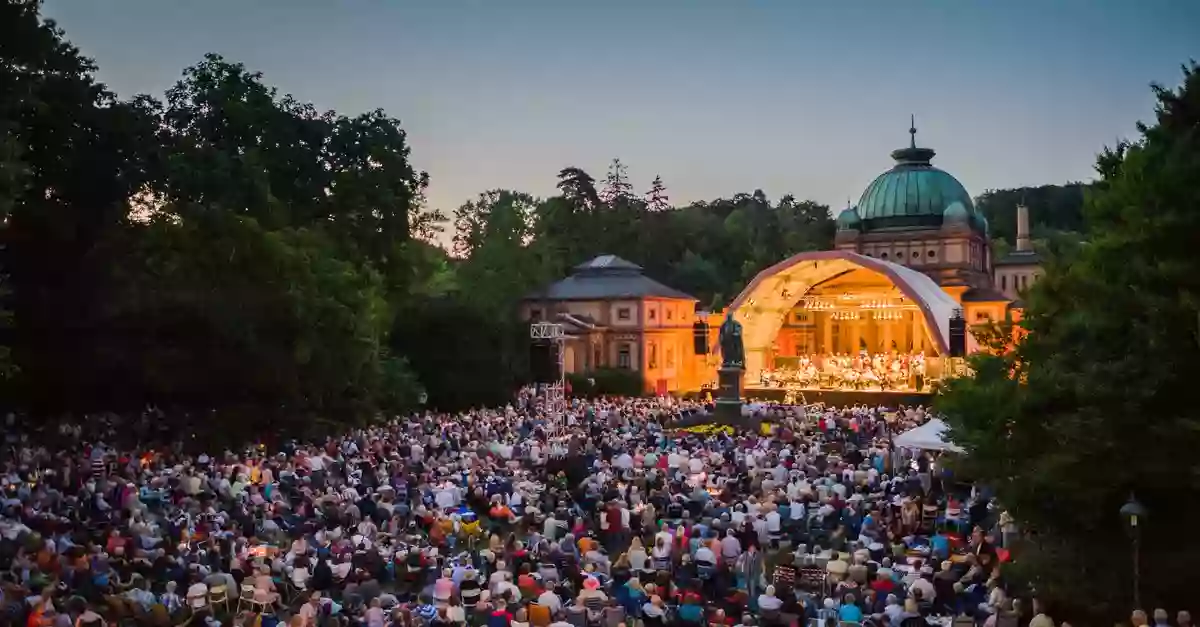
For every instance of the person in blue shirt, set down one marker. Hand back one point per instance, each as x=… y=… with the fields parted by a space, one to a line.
x=939 y=545
x=850 y=612
x=691 y=612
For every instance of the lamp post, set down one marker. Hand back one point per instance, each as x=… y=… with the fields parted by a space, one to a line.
x=1133 y=512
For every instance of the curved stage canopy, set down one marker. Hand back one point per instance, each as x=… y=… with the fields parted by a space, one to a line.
x=762 y=307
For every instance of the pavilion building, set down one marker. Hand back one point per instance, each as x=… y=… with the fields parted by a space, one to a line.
x=614 y=316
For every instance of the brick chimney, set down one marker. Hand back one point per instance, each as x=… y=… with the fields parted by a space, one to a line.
x=1023 y=228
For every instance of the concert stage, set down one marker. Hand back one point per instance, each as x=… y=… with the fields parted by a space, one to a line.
x=839 y=398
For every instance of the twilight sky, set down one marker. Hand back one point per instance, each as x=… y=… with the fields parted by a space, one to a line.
x=717 y=96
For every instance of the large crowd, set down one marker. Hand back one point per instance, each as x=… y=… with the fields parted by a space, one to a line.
x=605 y=515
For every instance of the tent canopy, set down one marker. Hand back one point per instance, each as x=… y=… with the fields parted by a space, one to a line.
x=927 y=437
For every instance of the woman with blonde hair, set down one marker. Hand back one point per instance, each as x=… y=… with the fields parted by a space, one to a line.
x=661 y=554
x=636 y=555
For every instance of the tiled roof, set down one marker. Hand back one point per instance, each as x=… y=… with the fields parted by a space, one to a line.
x=984 y=295
x=607 y=277
x=1019 y=258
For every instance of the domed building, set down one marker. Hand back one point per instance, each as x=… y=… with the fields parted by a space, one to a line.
x=911 y=272
x=921 y=217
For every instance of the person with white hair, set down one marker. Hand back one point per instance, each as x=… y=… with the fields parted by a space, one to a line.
x=768 y=602
x=892 y=608
x=828 y=611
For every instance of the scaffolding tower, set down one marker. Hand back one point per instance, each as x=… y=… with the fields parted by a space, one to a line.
x=554 y=392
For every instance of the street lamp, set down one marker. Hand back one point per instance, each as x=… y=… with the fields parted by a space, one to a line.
x=1133 y=512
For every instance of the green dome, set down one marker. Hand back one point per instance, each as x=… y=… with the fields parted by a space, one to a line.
x=848 y=220
x=913 y=193
x=981 y=223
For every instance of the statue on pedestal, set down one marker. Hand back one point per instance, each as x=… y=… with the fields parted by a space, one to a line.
x=733 y=353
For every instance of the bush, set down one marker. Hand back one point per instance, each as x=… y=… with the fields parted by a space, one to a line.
x=607 y=382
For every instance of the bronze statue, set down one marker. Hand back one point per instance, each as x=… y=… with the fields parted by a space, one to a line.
x=733 y=354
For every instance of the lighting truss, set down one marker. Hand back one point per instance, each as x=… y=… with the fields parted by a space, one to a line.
x=546 y=331
x=554 y=393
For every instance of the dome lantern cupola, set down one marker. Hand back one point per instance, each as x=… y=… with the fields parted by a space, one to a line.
x=848 y=219
x=914 y=194
x=913 y=155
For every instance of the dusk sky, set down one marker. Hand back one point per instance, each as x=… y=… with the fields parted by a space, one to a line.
x=718 y=97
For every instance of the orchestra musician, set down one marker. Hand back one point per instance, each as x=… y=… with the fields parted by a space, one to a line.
x=863 y=371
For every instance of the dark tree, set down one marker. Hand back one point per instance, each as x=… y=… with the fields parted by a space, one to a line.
x=578 y=187
x=617 y=188
x=1095 y=402
x=656 y=198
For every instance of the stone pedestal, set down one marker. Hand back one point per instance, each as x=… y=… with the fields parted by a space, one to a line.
x=729 y=397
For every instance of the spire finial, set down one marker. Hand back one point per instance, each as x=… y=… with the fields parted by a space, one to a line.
x=913 y=155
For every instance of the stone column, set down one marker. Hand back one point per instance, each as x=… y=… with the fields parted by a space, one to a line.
x=826 y=323
x=918 y=329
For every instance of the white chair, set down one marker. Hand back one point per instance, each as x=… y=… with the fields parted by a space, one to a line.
x=198 y=602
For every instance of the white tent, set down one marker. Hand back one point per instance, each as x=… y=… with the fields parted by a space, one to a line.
x=927 y=437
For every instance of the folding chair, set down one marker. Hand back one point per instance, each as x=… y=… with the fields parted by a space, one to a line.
x=247 y=597
x=219 y=595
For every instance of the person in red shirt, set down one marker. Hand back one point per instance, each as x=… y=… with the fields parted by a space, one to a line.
x=500 y=617
x=883 y=584
x=612 y=515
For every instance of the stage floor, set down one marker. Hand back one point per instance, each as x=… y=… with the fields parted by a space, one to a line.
x=840 y=398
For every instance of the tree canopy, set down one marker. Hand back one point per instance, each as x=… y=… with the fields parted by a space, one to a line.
x=224 y=248
x=1093 y=405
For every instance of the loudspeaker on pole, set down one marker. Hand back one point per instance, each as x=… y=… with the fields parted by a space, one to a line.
x=958 y=335
x=700 y=338
x=543 y=361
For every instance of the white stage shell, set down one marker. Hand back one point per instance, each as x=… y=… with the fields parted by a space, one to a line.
x=762 y=307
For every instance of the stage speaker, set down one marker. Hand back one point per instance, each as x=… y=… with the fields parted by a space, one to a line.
x=958 y=335
x=543 y=361
x=700 y=338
